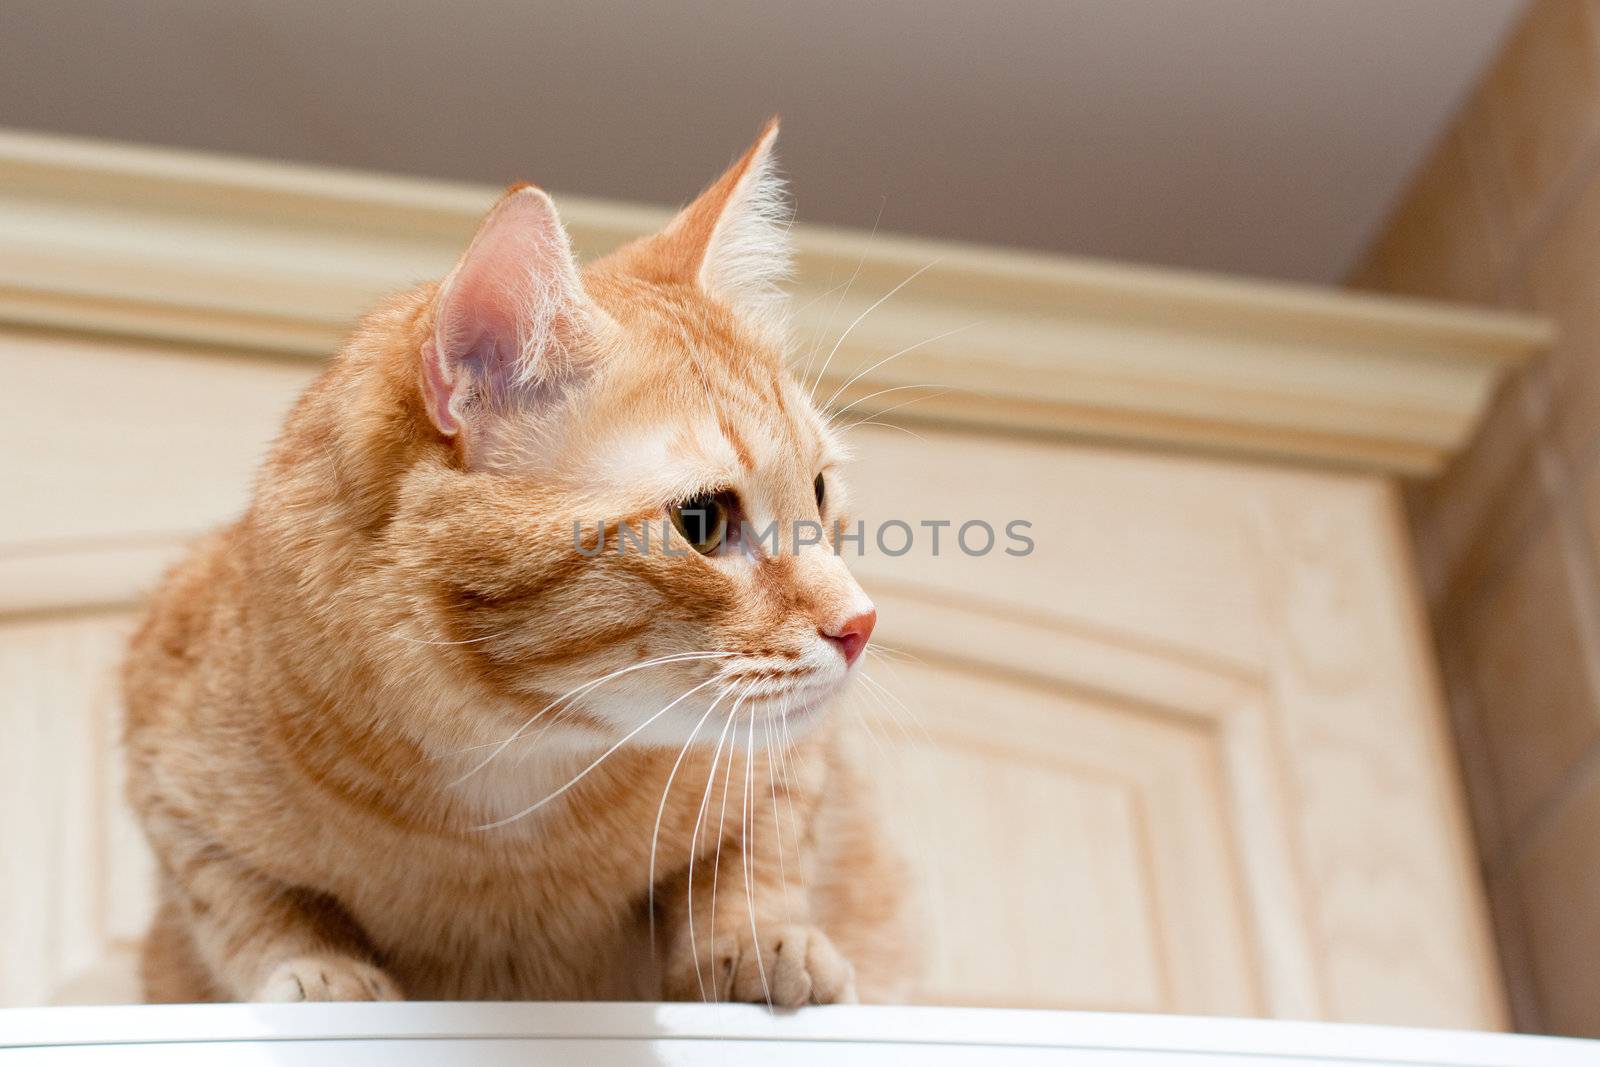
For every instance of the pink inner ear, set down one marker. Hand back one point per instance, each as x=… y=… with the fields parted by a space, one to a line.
x=437 y=391
x=507 y=314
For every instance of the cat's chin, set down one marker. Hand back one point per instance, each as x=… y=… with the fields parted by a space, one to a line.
x=804 y=717
x=798 y=712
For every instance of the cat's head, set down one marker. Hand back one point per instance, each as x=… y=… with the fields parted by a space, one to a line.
x=646 y=394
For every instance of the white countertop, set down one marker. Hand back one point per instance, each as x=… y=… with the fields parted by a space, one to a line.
x=612 y=1035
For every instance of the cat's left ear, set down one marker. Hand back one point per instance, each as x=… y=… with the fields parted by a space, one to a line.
x=511 y=321
x=734 y=237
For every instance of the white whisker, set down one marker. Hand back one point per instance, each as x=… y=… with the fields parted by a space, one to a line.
x=886 y=653
x=829 y=291
x=941 y=391
x=777 y=823
x=794 y=816
x=694 y=848
x=722 y=821
x=655 y=835
x=857 y=321
x=629 y=736
x=746 y=842
x=891 y=409
x=886 y=426
x=895 y=355
x=811 y=356
x=500 y=746
x=909 y=714
x=872 y=735
x=424 y=641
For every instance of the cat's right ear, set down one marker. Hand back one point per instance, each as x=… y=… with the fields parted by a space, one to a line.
x=511 y=320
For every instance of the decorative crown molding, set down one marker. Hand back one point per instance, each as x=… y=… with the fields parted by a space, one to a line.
x=186 y=247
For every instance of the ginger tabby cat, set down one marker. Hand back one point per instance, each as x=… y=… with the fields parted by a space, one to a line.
x=417 y=725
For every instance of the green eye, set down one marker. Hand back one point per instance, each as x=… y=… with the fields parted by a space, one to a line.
x=703 y=521
x=821 y=489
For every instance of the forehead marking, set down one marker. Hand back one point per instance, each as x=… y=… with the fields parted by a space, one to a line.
x=740 y=449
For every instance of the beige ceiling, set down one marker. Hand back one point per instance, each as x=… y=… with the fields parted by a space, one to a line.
x=1257 y=136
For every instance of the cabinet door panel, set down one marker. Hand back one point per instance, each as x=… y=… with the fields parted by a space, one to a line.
x=1062 y=843
x=76 y=880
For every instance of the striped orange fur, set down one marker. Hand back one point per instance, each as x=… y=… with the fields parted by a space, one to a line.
x=353 y=735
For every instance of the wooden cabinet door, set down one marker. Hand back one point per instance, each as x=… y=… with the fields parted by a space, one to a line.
x=1186 y=755
x=1068 y=844
x=76 y=880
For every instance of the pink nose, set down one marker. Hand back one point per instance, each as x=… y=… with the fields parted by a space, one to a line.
x=851 y=635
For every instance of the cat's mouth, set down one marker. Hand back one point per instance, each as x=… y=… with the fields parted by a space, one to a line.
x=786 y=695
x=793 y=704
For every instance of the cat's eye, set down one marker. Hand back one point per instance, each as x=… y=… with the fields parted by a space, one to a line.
x=822 y=489
x=703 y=521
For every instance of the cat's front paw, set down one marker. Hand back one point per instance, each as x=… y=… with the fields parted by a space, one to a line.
x=326 y=978
x=789 y=966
